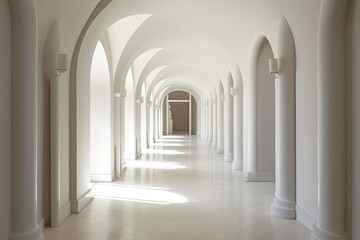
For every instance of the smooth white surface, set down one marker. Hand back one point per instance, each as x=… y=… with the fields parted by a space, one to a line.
x=331 y=222
x=229 y=121
x=24 y=121
x=285 y=154
x=189 y=196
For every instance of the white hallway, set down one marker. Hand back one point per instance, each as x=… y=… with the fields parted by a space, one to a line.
x=271 y=86
x=179 y=189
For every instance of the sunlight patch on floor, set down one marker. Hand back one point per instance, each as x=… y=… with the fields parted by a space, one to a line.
x=154 y=165
x=162 y=152
x=136 y=194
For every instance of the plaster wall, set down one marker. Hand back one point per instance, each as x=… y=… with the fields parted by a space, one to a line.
x=129 y=118
x=100 y=117
x=5 y=120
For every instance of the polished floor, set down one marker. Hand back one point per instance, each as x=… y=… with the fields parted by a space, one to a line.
x=181 y=189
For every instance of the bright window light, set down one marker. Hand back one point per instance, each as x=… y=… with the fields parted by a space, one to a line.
x=154 y=165
x=136 y=194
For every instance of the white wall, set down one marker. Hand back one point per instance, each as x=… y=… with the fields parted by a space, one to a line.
x=5 y=120
x=265 y=111
x=129 y=118
x=100 y=118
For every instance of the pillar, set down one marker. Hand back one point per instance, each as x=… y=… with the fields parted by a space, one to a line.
x=237 y=164
x=209 y=117
x=229 y=127
x=220 y=123
x=283 y=205
x=331 y=223
x=24 y=82
x=214 y=117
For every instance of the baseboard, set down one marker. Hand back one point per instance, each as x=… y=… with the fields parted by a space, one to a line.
x=304 y=218
x=65 y=211
x=259 y=177
x=82 y=202
x=102 y=177
x=41 y=225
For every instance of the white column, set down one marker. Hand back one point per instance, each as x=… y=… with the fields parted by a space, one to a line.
x=24 y=82
x=206 y=117
x=148 y=124
x=283 y=205
x=154 y=122
x=331 y=121
x=252 y=121
x=238 y=130
x=210 y=117
x=229 y=126
x=214 y=117
x=190 y=117
x=220 y=123
x=55 y=150
x=117 y=127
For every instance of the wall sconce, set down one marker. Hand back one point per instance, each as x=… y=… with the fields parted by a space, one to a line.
x=149 y=104
x=61 y=64
x=274 y=67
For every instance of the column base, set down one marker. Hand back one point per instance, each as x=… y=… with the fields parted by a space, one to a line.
x=321 y=234
x=220 y=150
x=283 y=209
x=229 y=157
x=34 y=234
x=237 y=165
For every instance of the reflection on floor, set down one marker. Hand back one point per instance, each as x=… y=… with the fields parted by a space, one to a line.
x=190 y=195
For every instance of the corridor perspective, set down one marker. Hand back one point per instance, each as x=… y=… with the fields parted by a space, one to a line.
x=180 y=189
x=180 y=119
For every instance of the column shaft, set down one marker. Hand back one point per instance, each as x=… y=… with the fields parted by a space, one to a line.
x=229 y=127
x=238 y=133
x=24 y=82
x=331 y=124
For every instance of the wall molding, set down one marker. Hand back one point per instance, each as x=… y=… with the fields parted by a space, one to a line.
x=79 y=204
x=305 y=218
x=65 y=211
x=259 y=177
x=41 y=224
